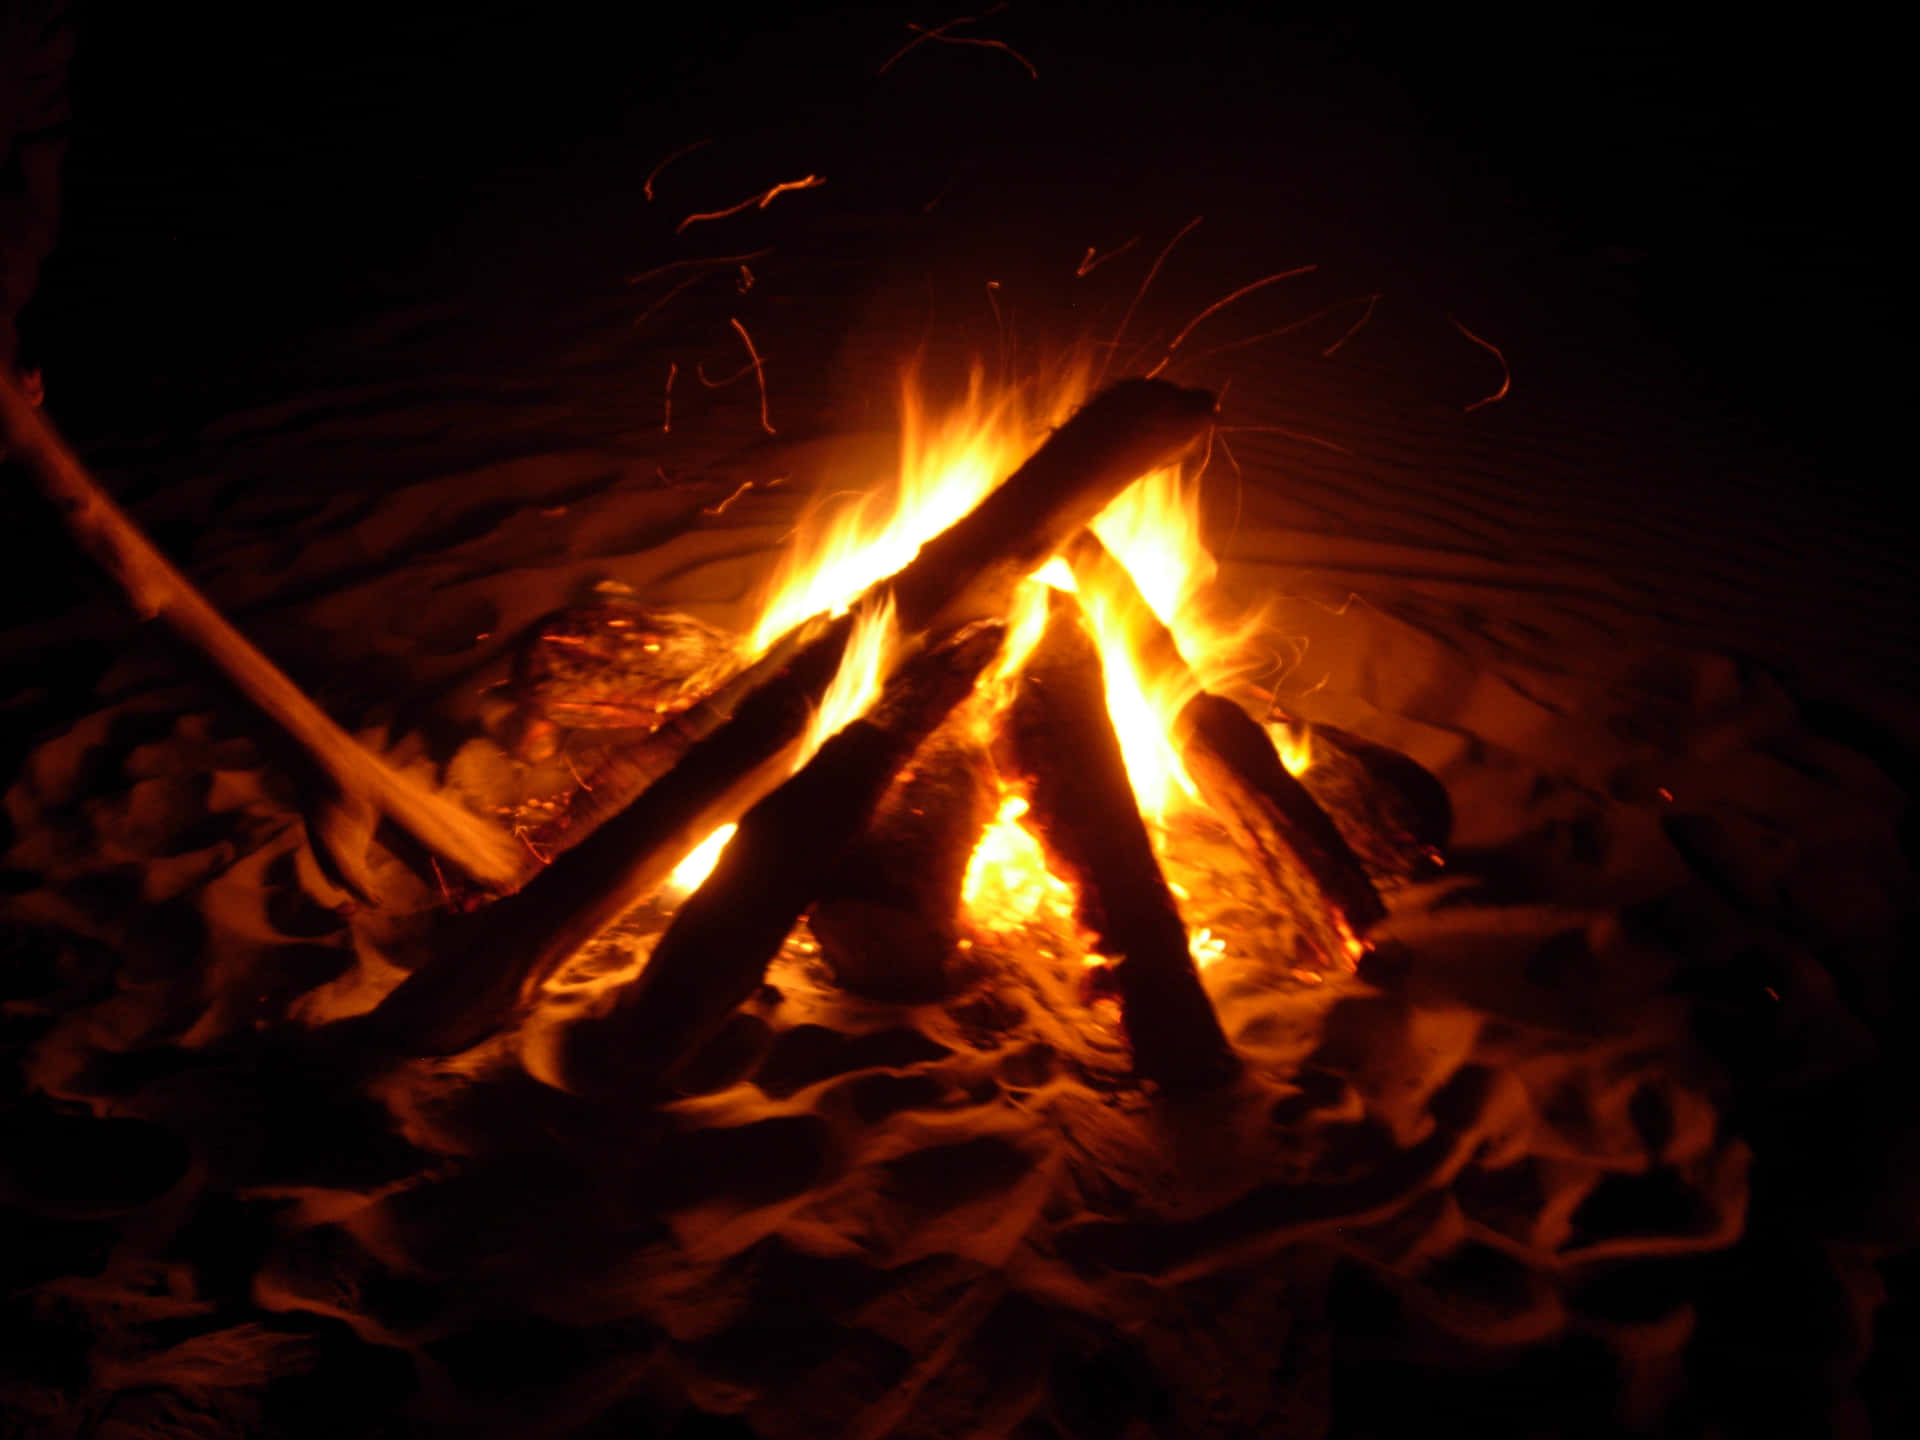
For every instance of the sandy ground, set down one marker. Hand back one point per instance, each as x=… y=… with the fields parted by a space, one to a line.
x=1620 y=1142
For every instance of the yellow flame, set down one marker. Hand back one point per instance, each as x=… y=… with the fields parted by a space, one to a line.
x=857 y=682
x=946 y=468
x=1007 y=880
x=699 y=863
x=1295 y=744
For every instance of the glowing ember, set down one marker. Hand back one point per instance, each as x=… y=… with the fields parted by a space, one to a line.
x=1007 y=882
x=1295 y=744
x=699 y=863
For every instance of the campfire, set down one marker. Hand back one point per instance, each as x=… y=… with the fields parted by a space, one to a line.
x=984 y=712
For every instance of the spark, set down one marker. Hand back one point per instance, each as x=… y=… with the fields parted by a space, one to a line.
x=574 y=771
x=738 y=491
x=700 y=370
x=1293 y=325
x=922 y=34
x=1092 y=261
x=1506 y=375
x=688 y=283
x=1159 y=260
x=745 y=282
x=759 y=372
x=666 y=419
x=706 y=260
x=1354 y=329
x=1227 y=300
x=654 y=174
x=1301 y=435
x=446 y=895
x=753 y=202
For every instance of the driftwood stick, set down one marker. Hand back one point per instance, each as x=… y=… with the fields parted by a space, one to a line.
x=1231 y=759
x=474 y=983
x=1059 y=739
x=718 y=947
x=157 y=590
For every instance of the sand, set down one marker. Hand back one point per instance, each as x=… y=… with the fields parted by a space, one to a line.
x=1610 y=1134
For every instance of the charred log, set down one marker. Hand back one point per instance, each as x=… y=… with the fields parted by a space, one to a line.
x=967 y=572
x=1058 y=739
x=1296 y=846
x=1233 y=762
x=487 y=968
x=716 y=951
x=1395 y=815
x=888 y=919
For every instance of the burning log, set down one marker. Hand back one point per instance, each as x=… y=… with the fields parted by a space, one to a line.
x=364 y=784
x=1277 y=823
x=888 y=920
x=1394 y=814
x=1059 y=739
x=486 y=970
x=717 y=949
x=965 y=573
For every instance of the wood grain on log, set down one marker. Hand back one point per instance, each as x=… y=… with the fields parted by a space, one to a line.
x=716 y=951
x=1058 y=738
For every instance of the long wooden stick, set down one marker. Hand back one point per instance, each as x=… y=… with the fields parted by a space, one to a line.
x=718 y=947
x=1298 y=849
x=477 y=979
x=156 y=590
x=1058 y=737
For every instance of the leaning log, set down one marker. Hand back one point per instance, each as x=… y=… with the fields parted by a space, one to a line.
x=1058 y=739
x=1294 y=844
x=488 y=963
x=475 y=982
x=363 y=782
x=1392 y=810
x=716 y=951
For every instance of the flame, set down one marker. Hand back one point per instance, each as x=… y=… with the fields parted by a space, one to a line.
x=699 y=863
x=1295 y=744
x=946 y=468
x=856 y=684
x=1007 y=881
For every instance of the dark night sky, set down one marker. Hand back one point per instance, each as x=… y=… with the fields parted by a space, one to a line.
x=233 y=181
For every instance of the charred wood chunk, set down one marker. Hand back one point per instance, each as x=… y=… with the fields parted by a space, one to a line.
x=1232 y=761
x=485 y=970
x=1058 y=738
x=612 y=664
x=888 y=921
x=716 y=951
x=1394 y=813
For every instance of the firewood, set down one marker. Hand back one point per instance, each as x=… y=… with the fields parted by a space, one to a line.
x=1394 y=813
x=363 y=783
x=1058 y=739
x=967 y=572
x=716 y=951
x=485 y=969
x=888 y=920
x=1233 y=763
x=1296 y=847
